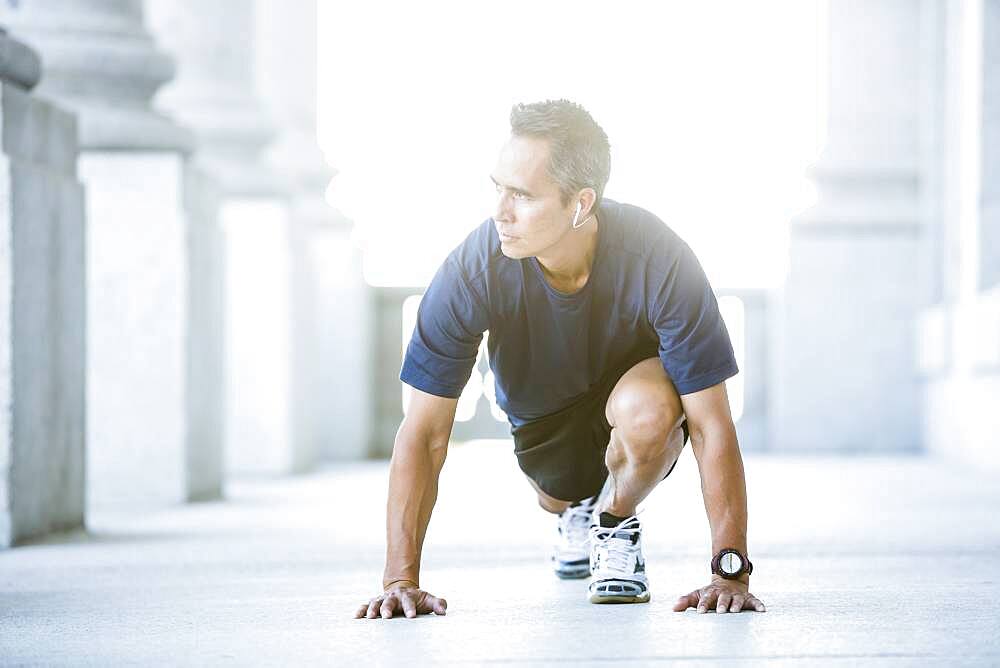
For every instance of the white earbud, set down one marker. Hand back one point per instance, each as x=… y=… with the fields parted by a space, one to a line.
x=579 y=206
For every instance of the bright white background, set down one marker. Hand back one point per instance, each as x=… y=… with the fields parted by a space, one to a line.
x=712 y=109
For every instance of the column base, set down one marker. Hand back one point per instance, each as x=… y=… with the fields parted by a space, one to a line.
x=959 y=359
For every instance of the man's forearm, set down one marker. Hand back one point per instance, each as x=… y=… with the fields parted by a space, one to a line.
x=413 y=487
x=723 y=485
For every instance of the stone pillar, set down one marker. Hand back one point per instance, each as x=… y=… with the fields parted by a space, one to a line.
x=332 y=305
x=989 y=224
x=843 y=376
x=206 y=334
x=42 y=302
x=346 y=327
x=216 y=95
x=100 y=62
x=959 y=336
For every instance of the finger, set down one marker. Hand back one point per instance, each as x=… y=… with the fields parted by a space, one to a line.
x=738 y=601
x=707 y=600
x=755 y=603
x=725 y=598
x=388 y=605
x=360 y=612
x=373 y=607
x=430 y=603
x=686 y=601
x=409 y=607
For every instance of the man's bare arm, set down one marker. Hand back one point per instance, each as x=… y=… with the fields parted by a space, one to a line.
x=418 y=455
x=723 y=484
x=417 y=458
x=713 y=440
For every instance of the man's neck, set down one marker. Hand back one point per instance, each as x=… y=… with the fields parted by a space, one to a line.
x=567 y=265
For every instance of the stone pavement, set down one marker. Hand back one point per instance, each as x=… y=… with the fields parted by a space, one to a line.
x=871 y=560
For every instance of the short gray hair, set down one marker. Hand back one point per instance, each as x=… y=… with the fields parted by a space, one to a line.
x=579 y=153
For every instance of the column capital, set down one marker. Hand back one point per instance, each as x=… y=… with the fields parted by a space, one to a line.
x=868 y=174
x=286 y=73
x=99 y=61
x=215 y=92
x=19 y=64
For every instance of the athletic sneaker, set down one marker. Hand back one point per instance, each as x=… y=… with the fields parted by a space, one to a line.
x=618 y=569
x=571 y=553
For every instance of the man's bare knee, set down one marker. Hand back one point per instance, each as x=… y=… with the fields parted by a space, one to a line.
x=648 y=432
x=664 y=449
x=644 y=402
x=548 y=503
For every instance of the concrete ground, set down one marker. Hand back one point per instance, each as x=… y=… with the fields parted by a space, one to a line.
x=870 y=560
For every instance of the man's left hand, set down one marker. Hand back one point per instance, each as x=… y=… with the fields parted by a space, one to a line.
x=723 y=595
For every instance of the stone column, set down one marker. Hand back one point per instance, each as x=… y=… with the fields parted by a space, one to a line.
x=959 y=336
x=989 y=226
x=843 y=378
x=42 y=302
x=216 y=95
x=332 y=305
x=206 y=338
x=100 y=62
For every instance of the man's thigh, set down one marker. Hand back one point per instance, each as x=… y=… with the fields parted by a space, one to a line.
x=564 y=454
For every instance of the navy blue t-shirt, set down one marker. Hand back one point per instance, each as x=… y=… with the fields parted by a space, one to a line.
x=646 y=296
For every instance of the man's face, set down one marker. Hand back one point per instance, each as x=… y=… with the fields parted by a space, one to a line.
x=529 y=215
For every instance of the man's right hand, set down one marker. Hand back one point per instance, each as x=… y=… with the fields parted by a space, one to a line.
x=403 y=598
x=418 y=453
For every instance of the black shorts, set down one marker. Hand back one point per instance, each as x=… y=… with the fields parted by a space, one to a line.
x=564 y=452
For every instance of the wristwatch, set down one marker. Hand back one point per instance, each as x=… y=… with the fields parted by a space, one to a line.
x=731 y=564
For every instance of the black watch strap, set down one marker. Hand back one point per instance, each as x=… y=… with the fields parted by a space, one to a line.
x=746 y=568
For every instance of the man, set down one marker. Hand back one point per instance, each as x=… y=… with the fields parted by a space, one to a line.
x=608 y=349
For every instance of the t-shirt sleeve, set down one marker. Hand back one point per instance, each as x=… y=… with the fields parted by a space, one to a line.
x=695 y=348
x=450 y=323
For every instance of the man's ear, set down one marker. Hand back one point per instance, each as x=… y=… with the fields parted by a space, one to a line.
x=586 y=198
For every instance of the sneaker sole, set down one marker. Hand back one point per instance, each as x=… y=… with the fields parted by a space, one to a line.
x=619 y=598
x=573 y=575
x=624 y=592
x=570 y=570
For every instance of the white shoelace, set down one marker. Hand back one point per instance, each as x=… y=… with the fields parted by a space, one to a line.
x=614 y=552
x=574 y=523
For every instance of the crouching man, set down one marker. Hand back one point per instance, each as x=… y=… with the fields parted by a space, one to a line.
x=609 y=354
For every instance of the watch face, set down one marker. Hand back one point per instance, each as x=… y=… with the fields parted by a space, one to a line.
x=730 y=563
